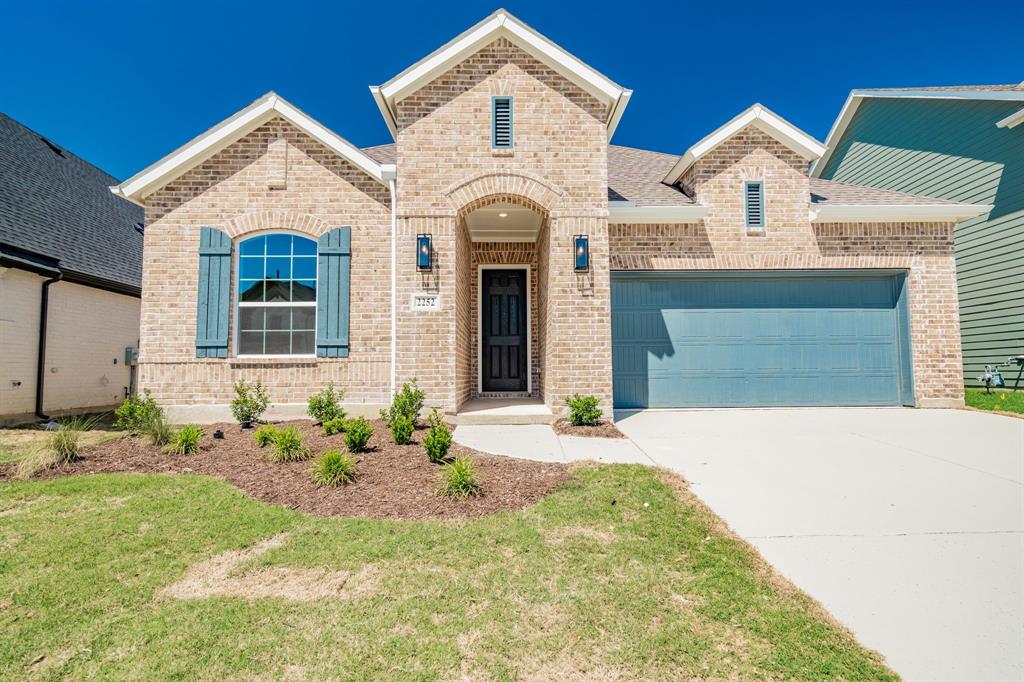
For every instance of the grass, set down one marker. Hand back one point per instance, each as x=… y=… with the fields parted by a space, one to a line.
x=1001 y=401
x=589 y=583
x=16 y=442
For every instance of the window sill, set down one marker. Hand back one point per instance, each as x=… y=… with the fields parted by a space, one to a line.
x=288 y=360
x=755 y=232
x=503 y=152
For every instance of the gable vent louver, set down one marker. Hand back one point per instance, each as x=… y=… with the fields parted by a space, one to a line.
x=501 y=130
x=754 y=201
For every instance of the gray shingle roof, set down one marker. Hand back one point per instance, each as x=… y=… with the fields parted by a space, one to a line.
x=636 y=174
x=832 y=192
x=965 y=88
x=57 y=205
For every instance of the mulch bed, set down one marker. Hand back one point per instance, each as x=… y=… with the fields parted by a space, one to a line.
x=604 y=429
x=393 y=481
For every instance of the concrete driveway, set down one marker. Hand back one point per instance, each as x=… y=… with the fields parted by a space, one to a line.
x=907 y=525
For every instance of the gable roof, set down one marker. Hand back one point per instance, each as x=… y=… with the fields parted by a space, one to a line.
x=57 y=213
x=201 y=148
x=500 y=24
x=1007 y=92
x=761 y=118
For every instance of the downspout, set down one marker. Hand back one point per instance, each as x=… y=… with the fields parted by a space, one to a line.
x=44 y=304
x=394 y=284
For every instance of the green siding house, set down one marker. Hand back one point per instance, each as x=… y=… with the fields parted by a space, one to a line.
x=965 y=144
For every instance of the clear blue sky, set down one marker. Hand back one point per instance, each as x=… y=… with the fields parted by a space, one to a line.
x=123 y=83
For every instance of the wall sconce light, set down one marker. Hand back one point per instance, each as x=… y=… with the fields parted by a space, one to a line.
x=424 y=257
x=581 y=252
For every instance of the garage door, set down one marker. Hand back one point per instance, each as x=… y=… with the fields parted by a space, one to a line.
x=690 y=340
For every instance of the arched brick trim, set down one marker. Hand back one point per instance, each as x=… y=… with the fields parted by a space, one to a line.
x=275 y=220
x=485 y=188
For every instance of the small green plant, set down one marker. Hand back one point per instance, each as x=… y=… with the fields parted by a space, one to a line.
x=401 y=430
x=408 y=403
x=185 y=440
x=438 y=439
x=357 y=434
x=334 y=468
x=288 y=446
x=323 y=406
x=461 y=479
x=264 y=435
x=60 y=448
x=158 y=431
x=136 y=412
x=250 y=402
x=583 y=410
x=335 y=426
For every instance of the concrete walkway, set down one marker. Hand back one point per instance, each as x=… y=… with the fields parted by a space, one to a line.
x=907 y=525
x=540 y=442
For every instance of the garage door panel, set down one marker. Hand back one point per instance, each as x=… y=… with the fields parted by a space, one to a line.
x=735 y=341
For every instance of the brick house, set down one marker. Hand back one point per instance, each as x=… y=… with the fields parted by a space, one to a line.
x=502 y=248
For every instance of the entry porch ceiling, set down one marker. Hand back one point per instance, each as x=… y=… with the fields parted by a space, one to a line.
x=503 y=222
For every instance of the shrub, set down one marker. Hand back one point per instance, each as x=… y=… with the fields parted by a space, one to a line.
x=158 y=430
x=250 y=402
x=334 y=468
x=60 y=448
x=461 y=479
x=334 y=426
x=401 y=430
x=135 y=413
x=438 y=439
x=288 y=446
x=185 y=441
x=264 y=435
x=583 y=410
x=357 y=434
x=407 y=403
x=323 y=406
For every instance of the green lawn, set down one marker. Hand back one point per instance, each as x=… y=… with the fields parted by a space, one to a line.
x=1003 y=401
x=589 y=583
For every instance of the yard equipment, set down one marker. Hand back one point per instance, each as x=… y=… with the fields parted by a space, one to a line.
x=992 y=378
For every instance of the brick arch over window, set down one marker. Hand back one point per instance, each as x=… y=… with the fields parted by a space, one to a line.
x=521 y=188
x=275 y=220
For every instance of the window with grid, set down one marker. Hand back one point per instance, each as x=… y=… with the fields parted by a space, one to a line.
x=277 y=295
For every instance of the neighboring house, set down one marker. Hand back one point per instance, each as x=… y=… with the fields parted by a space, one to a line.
x=70 y=276
x=502 y=247
x=965 y=144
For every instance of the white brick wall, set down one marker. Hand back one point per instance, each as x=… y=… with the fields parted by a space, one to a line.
x=88 y=329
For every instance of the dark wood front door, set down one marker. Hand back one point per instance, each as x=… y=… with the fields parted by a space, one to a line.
x=503 y=331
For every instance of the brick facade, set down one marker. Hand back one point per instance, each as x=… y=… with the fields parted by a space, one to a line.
x=277 y=178
x=791 y=242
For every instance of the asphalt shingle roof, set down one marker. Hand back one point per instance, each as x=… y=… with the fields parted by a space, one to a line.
x=964 y=88
x=832 y=192
x=636 y=175
x=58 y=205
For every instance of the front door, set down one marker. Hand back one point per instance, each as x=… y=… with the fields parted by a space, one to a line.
x=503 y=331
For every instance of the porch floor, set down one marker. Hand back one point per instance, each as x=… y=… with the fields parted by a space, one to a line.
x=504 y=411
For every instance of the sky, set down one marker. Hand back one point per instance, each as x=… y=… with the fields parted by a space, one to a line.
x=123 y=83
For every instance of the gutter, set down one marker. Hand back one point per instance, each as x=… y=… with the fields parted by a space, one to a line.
x=44 y=304
x=392 y=188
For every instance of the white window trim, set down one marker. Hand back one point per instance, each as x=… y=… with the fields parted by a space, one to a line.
x=479 y=312
x=236 y=303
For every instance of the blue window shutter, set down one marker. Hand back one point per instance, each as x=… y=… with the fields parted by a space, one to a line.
x=334 y=266
x=501 y=122
x=753 y=191
x=214 y=306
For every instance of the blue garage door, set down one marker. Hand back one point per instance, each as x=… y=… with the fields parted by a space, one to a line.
x=692 y=340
